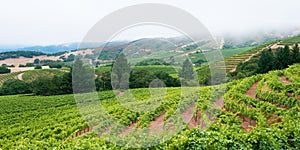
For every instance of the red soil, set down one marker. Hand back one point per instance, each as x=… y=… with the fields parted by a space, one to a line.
x=251 y=91
x=129 y=128
x=157 y=125
x=284 y=80
x=120 y=94
x=219 y=103
x=187 y=115
x=195 y=121
x=247 y=123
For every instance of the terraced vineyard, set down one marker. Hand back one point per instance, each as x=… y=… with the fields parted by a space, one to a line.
x=259 y=112
x=33 y=74
x=4 y=77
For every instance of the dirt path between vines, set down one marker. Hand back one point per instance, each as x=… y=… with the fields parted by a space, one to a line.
x=20 y=76
x=284 y=80
x=157 y=125
x=120 y=94
x=251 y=92
x=129 y=128
x=219 y=103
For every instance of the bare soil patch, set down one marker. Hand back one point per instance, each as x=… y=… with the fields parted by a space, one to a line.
x=195 y=121
x=157 y=125
x=284 y=80
x=219 y=103
x=129 y=128
x=273 y=119
x=247 y=123
x=251 y=91
x=187 y=115
x=120 y=94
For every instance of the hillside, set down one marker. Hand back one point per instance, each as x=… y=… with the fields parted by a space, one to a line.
x=262 y=109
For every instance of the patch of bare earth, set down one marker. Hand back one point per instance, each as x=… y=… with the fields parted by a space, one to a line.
x=187 y=115
x=247 y=123
x=273 y=119
x=196 y=121
x=105 y=131
x=157 y=125
x=284 y=80
x=219 y=103
x=129 y=128
x=20 y=76
x=120 y=94
x=251 y=91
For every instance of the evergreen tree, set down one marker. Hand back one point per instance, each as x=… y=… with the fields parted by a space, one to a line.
x=295 y=56
x=282 y=57
x=187 y=74
x=82 y=77
x=120 y=73
x=266 y=61
x=187 y=71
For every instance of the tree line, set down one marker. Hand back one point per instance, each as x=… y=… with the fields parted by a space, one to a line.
x=82 y=79
x=268 y=60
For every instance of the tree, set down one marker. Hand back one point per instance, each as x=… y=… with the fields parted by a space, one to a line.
x=29 y=65
x=282 y=56
x=295 y=55
x=103 y=82
x=4 y=69
x=38 y=67
x=42 y=86
x=36 y=61
x=266 y=61
x=187 y=73
x=167 y=79
x=120 y=73
x=141 y=78
x=82 y=77
x=14 y=86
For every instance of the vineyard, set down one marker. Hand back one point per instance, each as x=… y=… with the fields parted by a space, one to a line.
x=33 y=74
x=259 y=112
x=4 y=77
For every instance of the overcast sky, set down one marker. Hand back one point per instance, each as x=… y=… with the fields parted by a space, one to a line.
x=43 y=22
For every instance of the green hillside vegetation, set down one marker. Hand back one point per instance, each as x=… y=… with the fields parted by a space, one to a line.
x=271 y=114
x=4 y=77
x=291 y=41
x=17 y=54
x=31 y=75
x=152 y=68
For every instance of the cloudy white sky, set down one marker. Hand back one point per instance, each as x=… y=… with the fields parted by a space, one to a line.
x=43 y=22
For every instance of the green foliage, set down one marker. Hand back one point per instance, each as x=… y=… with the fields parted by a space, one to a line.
x=31 y=75
x=14 y=86
x=55 y=85
x=38 y=67
x=120 y=73
x=282 y=56
x=266 y=61
x=148 y=62
x=83 y=77
x=17 y=54
x=4 y=69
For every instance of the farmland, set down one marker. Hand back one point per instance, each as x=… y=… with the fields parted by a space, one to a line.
x=264 y=109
